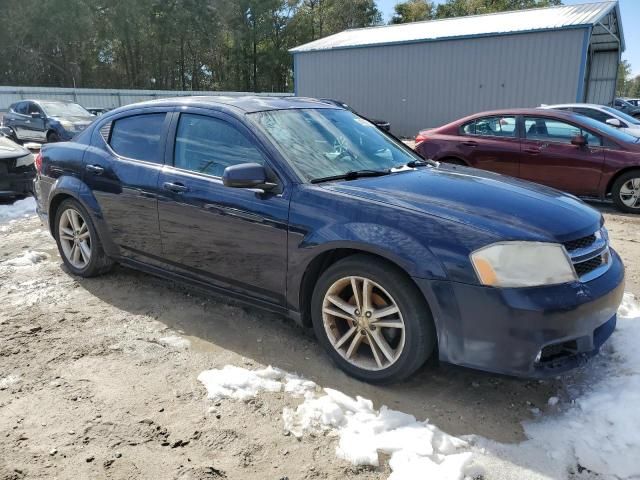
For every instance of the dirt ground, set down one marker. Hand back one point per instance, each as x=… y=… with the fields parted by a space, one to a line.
x=93 y=384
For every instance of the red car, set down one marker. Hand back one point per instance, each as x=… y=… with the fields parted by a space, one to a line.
x=563 y=150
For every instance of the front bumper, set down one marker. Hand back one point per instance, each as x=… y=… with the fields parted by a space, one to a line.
x=14 y=184
x=528 y=332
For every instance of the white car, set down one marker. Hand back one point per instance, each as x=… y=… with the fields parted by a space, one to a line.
x=604 y=114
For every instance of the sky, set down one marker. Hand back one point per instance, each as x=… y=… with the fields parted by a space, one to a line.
x=630 y=11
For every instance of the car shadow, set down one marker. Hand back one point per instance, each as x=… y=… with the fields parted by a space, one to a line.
x=457 y=400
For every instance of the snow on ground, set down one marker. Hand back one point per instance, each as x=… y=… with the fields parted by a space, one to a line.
x=598 y=432
x=175 y=341
x=27 y=259
x=415 y=447
x=18 y=209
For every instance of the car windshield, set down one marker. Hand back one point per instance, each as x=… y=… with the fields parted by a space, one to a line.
x=622 y=115
x=58 y=109
x=321 y=143
x=612 y=132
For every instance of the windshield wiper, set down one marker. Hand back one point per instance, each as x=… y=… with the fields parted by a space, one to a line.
x=352 y=175
x=418 y=163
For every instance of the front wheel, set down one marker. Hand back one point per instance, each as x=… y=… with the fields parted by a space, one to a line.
x=626 y=192
x=53 y=137
x=78 y=241
x=372 y=320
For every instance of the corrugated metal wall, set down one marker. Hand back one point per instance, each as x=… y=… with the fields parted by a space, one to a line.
x=428 y=84
x=602 y=77
x=104 y=98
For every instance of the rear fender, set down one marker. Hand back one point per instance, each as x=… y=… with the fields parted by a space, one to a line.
x=68 y=186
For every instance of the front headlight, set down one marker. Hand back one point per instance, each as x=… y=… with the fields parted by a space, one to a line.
x=67 y=125
x=523 y=264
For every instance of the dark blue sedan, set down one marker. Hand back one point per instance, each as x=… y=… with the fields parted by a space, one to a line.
x=309 y=210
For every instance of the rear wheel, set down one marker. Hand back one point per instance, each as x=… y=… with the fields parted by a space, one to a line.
x=625 y=192
x=372 y=320
x=78 y=241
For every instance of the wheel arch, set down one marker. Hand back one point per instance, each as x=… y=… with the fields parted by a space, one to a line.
x=618 y=174
x=321 y=262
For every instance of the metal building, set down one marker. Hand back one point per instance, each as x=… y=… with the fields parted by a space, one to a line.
x=425 y=74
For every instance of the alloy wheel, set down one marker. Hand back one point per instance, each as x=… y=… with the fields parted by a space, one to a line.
x=363 y=323
x=630 y=193
x=75 y=238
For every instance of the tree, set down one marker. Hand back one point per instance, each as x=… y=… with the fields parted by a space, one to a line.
x=413 y=11
x=458 y=8
x=624 y=72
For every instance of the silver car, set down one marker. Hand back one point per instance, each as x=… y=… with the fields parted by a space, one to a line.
x=604 y=114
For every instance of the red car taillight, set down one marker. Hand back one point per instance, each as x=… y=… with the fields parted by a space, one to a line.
x=421 y=137
x=38 y=163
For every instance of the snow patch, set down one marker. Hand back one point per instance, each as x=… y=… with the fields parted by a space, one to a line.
x=599 y=431
x=18 y=209
x=241 y=384
x=415 y=447
x=27 y=259
x=176 y=342
x=9 y=381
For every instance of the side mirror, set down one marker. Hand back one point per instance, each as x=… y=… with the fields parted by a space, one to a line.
x=579 y=141
x=36 y=115
x=246 y=175
x=614 y=122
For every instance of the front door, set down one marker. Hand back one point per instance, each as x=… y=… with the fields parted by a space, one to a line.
x=34 y=123
x=233 y=238
x=491 y=143
x=549 y=157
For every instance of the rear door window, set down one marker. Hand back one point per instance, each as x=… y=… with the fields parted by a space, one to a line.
x=500 y=126
x=209 y=145
x=139 y=137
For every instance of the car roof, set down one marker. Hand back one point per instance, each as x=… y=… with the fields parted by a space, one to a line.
x=245 y=103
x=523 y=111
x=579 y=105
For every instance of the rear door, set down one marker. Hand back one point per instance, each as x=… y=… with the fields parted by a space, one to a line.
x=491 y=143
x=231 y=237
x=122 y=170
x=549 y=157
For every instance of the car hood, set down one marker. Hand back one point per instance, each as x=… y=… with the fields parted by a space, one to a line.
x=76 y=120
x=10 y=149
x=634 y=130
x=509 y=208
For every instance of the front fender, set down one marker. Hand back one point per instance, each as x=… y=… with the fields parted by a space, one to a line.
x=388 y=242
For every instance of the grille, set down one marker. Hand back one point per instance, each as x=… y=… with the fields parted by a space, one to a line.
x=583 y=242
x=583 y=268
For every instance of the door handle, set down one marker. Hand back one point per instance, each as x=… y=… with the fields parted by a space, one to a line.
x=175 y=187
x=95 y=169
x=532 y=151
x=470 y=144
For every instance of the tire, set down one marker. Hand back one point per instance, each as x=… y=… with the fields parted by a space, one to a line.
x=78 y=264
x=625 y=192
x=53 y=137
x=409 y=347
x=13 y=137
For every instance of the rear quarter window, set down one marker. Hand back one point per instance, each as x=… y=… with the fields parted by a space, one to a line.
x=139 y=137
